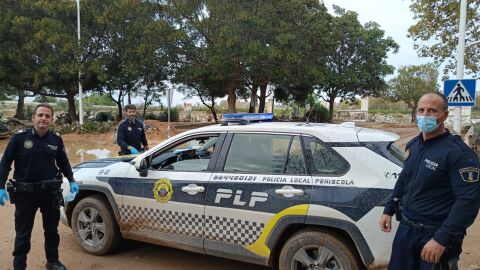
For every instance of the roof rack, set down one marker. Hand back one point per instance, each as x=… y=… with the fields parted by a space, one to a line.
x=245 y=118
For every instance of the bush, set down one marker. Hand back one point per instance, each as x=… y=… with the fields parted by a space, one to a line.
x=104 y=117
x=150 y=116
x=92 y=126
x=317 y=114
x=174 y=114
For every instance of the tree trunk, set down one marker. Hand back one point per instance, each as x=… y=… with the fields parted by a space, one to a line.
x=296 y=111
x=72 y=112
x=129 y=97
x=253 y=98
x=263 y=96
x=414 y=110
x=145 y=104
x=119 y=107
x=331 y=102
x=19 y=114
x=214 y=113
x=231 y=100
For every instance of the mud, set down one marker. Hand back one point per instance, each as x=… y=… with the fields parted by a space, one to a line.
x=138 y=255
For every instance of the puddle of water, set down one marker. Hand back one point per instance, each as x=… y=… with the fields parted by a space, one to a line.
x=92 y=154
x=91 y=150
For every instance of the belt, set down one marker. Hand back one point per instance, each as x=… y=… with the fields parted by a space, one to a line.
x=40 y=185
x=418 y=225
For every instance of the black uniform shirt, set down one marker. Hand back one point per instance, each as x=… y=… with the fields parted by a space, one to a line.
x=439 y=185
x=131 y=134
x=36 y=158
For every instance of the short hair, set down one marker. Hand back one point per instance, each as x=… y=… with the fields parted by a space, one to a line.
x=442 y=96
x=43 y=105
x=130 y=107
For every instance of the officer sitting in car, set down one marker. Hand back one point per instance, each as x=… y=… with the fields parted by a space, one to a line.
x=38 y=154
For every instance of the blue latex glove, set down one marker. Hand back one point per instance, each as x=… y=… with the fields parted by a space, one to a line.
x=3 y=196
x=70 y=196
x=74 y=187
x=133 y=150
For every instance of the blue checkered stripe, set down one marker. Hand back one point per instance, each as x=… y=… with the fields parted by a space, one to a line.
x=235 y=231
x=149 y=219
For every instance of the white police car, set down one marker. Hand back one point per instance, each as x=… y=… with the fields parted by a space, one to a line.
x=288 y=195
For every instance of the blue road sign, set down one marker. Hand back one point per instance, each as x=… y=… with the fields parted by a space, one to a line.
x=460 y=92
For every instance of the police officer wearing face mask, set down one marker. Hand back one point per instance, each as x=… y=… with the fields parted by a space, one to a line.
x=437 y=194
x=38 y=153
x=131 y=134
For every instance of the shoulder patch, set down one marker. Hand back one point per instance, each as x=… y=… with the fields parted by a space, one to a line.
x=20 y=131
x=470 y=174
x=57 y=133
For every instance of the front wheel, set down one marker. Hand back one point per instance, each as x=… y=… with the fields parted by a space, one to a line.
x=94 y=226
x=315 y=249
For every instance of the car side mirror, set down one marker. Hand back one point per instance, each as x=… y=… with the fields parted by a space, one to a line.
x=142 y=167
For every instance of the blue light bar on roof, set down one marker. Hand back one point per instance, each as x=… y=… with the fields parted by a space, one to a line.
x=244 y=118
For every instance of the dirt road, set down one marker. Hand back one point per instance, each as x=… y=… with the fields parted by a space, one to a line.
x=136 y=255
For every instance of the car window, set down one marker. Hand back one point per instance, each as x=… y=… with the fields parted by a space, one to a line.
x=192 y=155
x=322 y=159
x=257 y=153
x=295 y=162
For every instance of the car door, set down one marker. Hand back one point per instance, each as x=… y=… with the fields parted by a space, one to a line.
x=259 y=179
x=167 y=206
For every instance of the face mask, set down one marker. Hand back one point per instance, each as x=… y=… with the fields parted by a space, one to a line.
x=427 y=124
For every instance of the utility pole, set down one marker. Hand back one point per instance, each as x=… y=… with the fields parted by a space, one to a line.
x=80 y=94
x=457 y=116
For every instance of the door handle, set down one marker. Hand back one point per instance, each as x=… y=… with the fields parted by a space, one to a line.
x=193 y=189
x=289 y=191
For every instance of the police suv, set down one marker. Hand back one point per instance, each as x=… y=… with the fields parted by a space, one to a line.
x=286 y=195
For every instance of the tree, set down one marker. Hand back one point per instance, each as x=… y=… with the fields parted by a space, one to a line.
x=436 y=32
x=355 y=60
x=17 y=62
x=411 y=83
x=133 y=47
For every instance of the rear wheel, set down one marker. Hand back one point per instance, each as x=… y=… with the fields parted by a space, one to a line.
x=94 y=226
x=315 y=250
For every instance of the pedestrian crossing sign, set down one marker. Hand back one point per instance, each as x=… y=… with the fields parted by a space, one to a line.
x=460 y=92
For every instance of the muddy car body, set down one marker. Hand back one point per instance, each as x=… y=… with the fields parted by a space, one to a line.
x=287 y=195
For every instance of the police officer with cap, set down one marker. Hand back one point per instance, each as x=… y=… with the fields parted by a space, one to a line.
x=131 y=134
x=437 y=194
x=38 y=154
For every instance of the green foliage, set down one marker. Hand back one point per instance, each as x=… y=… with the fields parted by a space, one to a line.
x=61 y=105
x=318 y=114
x=210 y=49
x=102 y=100
x=436 y=32
x=150 y=116
x=28 y=111
x=44 y=99
x=366 y=49
x=174 y=114
x=104 y=117
x=96 y=127
x=412 y=82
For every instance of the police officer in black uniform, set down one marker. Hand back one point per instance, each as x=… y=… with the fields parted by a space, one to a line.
x=437 y=195
x=38 y=154
x=131 y=134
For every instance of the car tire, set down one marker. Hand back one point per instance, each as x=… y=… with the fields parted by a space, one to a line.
x=94 y=226
x=316 y=249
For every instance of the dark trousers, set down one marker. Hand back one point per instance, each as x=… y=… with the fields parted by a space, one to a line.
x=407 y=249
x=26 y=206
